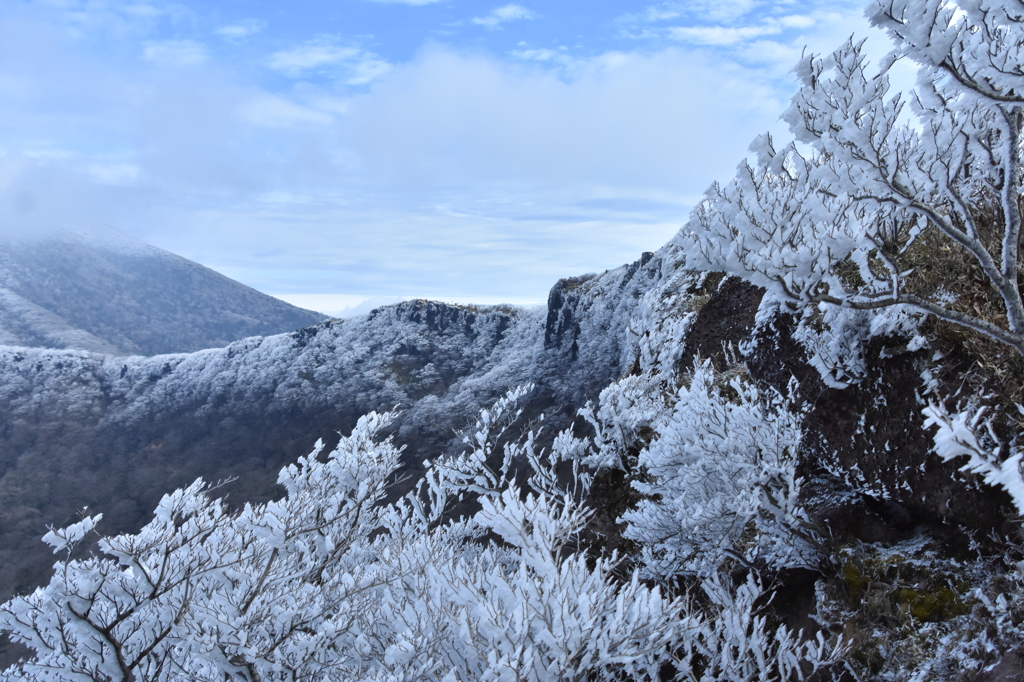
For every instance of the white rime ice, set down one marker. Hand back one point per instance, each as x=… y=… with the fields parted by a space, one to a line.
x=331 y=582
x=338 y=581
x=718 y=455
x=827 y=222
x=723 y=482
x=827 y=218
x=970 y=433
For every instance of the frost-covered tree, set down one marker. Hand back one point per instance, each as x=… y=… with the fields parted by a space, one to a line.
x=331 y=582
x=877 y=188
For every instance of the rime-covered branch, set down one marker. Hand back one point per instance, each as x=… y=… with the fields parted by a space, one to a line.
x=832 y=218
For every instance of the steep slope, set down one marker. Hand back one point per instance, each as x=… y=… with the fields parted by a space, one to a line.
x=109 y=293
x=899 y=542
x=113 y=433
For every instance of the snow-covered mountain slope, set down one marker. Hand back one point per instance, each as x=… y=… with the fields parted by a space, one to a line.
x=673 y=356
x=115 y=433
x=106 y=292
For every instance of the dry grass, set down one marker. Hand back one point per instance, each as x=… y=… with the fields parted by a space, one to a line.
x=943 y=269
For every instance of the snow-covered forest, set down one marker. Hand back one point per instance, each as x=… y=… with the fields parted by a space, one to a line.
x=786 y=446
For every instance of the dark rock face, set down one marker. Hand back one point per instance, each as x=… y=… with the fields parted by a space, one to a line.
x=124 y=297
x=561 y=329
x=870 y=437
x=727 y=318
x=866 y=454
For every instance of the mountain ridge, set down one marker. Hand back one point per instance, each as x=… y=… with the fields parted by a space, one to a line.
x=114 y=433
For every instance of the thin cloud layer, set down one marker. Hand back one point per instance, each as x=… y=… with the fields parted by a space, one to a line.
x=174 y=53
x=503 y=14
x=354 y=65
x=241 y=30
x=320 y=158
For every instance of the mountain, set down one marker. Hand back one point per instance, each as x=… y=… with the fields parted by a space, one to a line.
x=107 y=292
x=81 y=429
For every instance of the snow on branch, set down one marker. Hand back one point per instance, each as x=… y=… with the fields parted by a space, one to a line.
x=875 y=186
x=720 y=483
x=330 y=582
x=970 y=432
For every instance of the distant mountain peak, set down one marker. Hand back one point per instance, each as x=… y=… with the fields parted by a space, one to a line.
x=102 y=290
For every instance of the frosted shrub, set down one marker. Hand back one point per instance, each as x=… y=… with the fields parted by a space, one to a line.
x=739 y=646
x=970 y=432
x=721 y=482
x=843 y=224
x=631 y=410
x=716 y=457
x=331 y=583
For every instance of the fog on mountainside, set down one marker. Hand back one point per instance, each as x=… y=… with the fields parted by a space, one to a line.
x=107 y=292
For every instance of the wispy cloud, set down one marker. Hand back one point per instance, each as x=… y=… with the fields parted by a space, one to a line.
x=115 y=19
x=503 y=14
x=542 y=54
x=702 y=10
x=406 y=2
x=537 y=54
x=237 y=32
x=459 y=173
x=311 y=57
x=734 y=35
x=271 y=111
x=349 y=63
x=720 y=35
x=174 y=53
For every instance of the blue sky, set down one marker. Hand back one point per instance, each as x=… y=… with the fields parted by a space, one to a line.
x=347 y=149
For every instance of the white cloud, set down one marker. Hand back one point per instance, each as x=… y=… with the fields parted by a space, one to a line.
x=720 y=35
x=366 y=69
x=539 y=55
x=659 y=14
x=542 y=55
x=733 y=35
x=237 y=32
x=723 y=10
x=114 y=19
x=771 y=52
x=271 y=111
x=618 y=120
x=797 y=21
x=328 y=304
x=311 y=57
x=350 y=64
x=503 y=14
x=174 y=53
x=726 y=11
x=458 y=174
x=114 y=173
